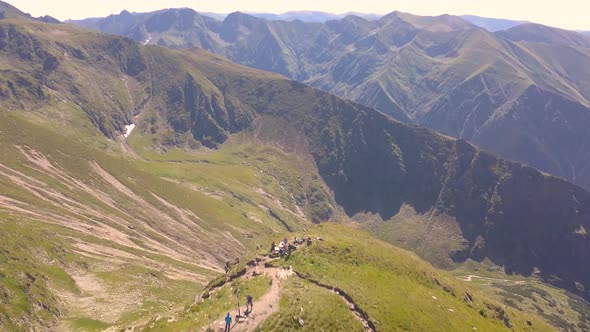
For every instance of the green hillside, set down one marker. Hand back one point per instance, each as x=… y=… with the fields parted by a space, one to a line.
x=110 y=226
x=99 y=231
x=394 y=288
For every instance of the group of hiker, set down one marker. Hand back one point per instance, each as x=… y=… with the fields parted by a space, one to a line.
x=249 y=308
x=284 y=248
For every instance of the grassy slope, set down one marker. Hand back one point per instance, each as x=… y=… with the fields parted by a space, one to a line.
x=150 y=230
x=113 y=274
x=395 y=288
x=32 y=261
x=560 y=308
x=157 y=279
x=318 y=308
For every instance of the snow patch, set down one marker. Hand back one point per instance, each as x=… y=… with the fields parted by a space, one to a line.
x=128 y=130
x=147 y=40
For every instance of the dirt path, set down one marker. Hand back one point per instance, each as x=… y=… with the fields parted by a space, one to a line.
x=265 y=306
x=268 y=304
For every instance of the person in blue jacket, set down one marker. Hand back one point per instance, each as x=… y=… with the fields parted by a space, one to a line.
x=227 y=322
x=249 y=304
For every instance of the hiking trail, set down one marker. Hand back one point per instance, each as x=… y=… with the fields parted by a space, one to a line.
x=268 y=304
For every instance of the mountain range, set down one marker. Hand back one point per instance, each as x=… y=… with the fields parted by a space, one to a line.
x=311 y=16
x=490 y=24
x=130 y=174
x=520 y=93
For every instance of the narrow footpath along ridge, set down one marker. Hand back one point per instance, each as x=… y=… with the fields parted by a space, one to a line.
x=265 y=306
x=268 y=304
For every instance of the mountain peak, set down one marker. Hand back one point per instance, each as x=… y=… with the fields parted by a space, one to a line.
x=241 y=18
x=240 y=14
x=393 y=15
x=48 y=19
x=443 y=22
x=354 y=18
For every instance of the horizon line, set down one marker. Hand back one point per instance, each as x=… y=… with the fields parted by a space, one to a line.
x=343 y=14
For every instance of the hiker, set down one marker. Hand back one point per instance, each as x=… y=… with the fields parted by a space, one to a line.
x=290 y=248
x=281 y=246
x=272 y=246
x=227 y=322
x=249 y=304
x=285 y=240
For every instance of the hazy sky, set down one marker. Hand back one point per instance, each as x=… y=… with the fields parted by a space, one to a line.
x=570 y=14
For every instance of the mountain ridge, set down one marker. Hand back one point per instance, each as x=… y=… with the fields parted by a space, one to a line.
x=440 y=72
